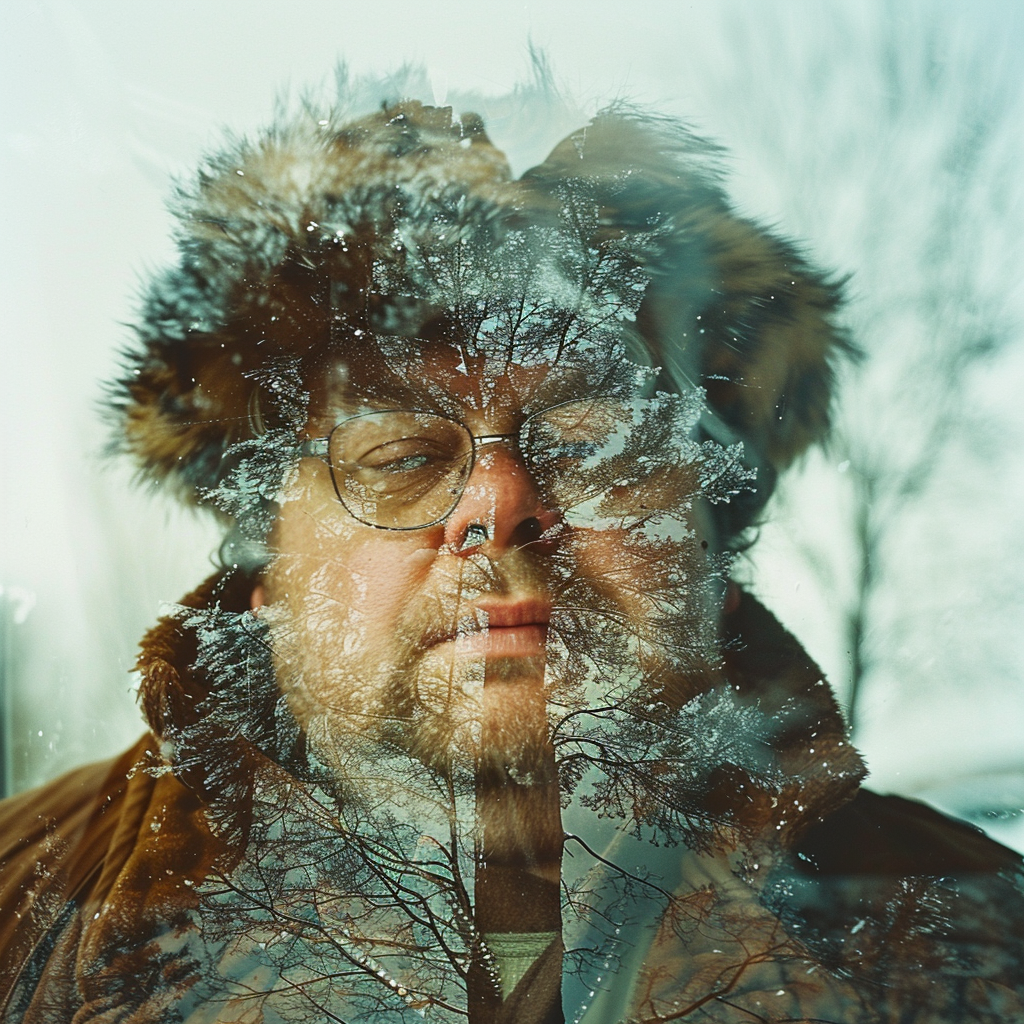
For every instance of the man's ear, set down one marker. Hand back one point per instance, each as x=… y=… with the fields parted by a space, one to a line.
x=257 y=599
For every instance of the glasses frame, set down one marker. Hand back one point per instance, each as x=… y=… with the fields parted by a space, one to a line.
x=320 y=448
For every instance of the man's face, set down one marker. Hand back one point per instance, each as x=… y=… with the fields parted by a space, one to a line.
x=553 y=573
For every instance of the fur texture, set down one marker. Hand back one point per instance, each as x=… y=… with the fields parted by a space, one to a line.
x=297 y=244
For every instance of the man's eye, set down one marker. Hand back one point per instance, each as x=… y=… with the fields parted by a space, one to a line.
x=405 y=456
x=574 y=449
x=406 y=464
x=576 y=430
x=556 y=454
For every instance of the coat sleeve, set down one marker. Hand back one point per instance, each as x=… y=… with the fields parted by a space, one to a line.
x=55 y=848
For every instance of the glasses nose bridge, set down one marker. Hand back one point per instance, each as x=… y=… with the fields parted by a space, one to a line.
x=485 y=440
x=480 y=442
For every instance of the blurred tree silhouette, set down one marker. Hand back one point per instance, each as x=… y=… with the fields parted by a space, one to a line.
x=899 y=143
x=936 y=318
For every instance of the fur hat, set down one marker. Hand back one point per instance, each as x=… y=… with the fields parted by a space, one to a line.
x=319 y=236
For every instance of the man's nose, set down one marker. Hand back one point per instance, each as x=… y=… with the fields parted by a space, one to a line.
x=500 y=507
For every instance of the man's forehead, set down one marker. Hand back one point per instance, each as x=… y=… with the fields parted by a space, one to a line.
x=449 y=377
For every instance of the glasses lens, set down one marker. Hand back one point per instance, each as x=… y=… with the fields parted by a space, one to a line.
x=572 y=449
x=564 y=438
x=400 y=470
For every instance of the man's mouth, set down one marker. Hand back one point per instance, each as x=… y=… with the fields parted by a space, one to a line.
x=504 y=628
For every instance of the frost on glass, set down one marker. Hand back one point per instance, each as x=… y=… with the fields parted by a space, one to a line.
x=456 y=734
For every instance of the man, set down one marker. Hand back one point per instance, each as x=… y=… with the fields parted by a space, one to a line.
x=473 y=723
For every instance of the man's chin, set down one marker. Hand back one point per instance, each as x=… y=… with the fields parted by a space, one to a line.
x=481 y=716
x=520 y=754
x=459 y=716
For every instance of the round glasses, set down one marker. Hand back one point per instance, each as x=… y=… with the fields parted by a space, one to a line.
x=400 y=469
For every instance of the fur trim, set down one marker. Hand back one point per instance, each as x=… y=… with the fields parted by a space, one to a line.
x=317 y=236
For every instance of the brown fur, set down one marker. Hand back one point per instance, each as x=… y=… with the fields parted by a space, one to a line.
x=272 y=275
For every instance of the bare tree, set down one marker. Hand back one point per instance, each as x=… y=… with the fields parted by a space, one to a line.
x=896 y=136
x=939 y=323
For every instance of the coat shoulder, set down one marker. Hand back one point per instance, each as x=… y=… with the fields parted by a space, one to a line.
x=56 y=845
x=891 y=835
x=926 y=910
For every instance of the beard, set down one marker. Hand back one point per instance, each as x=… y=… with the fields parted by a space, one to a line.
x=420 y=694
x=621 y=630
x=485 y=717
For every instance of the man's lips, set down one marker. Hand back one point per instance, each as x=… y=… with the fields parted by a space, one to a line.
x=503 y=628
x=526 y=641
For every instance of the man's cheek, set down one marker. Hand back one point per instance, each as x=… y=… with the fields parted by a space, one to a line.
x=634 y=569
x=363 y=570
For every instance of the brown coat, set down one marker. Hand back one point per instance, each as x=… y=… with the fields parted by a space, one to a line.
x=831 y=903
